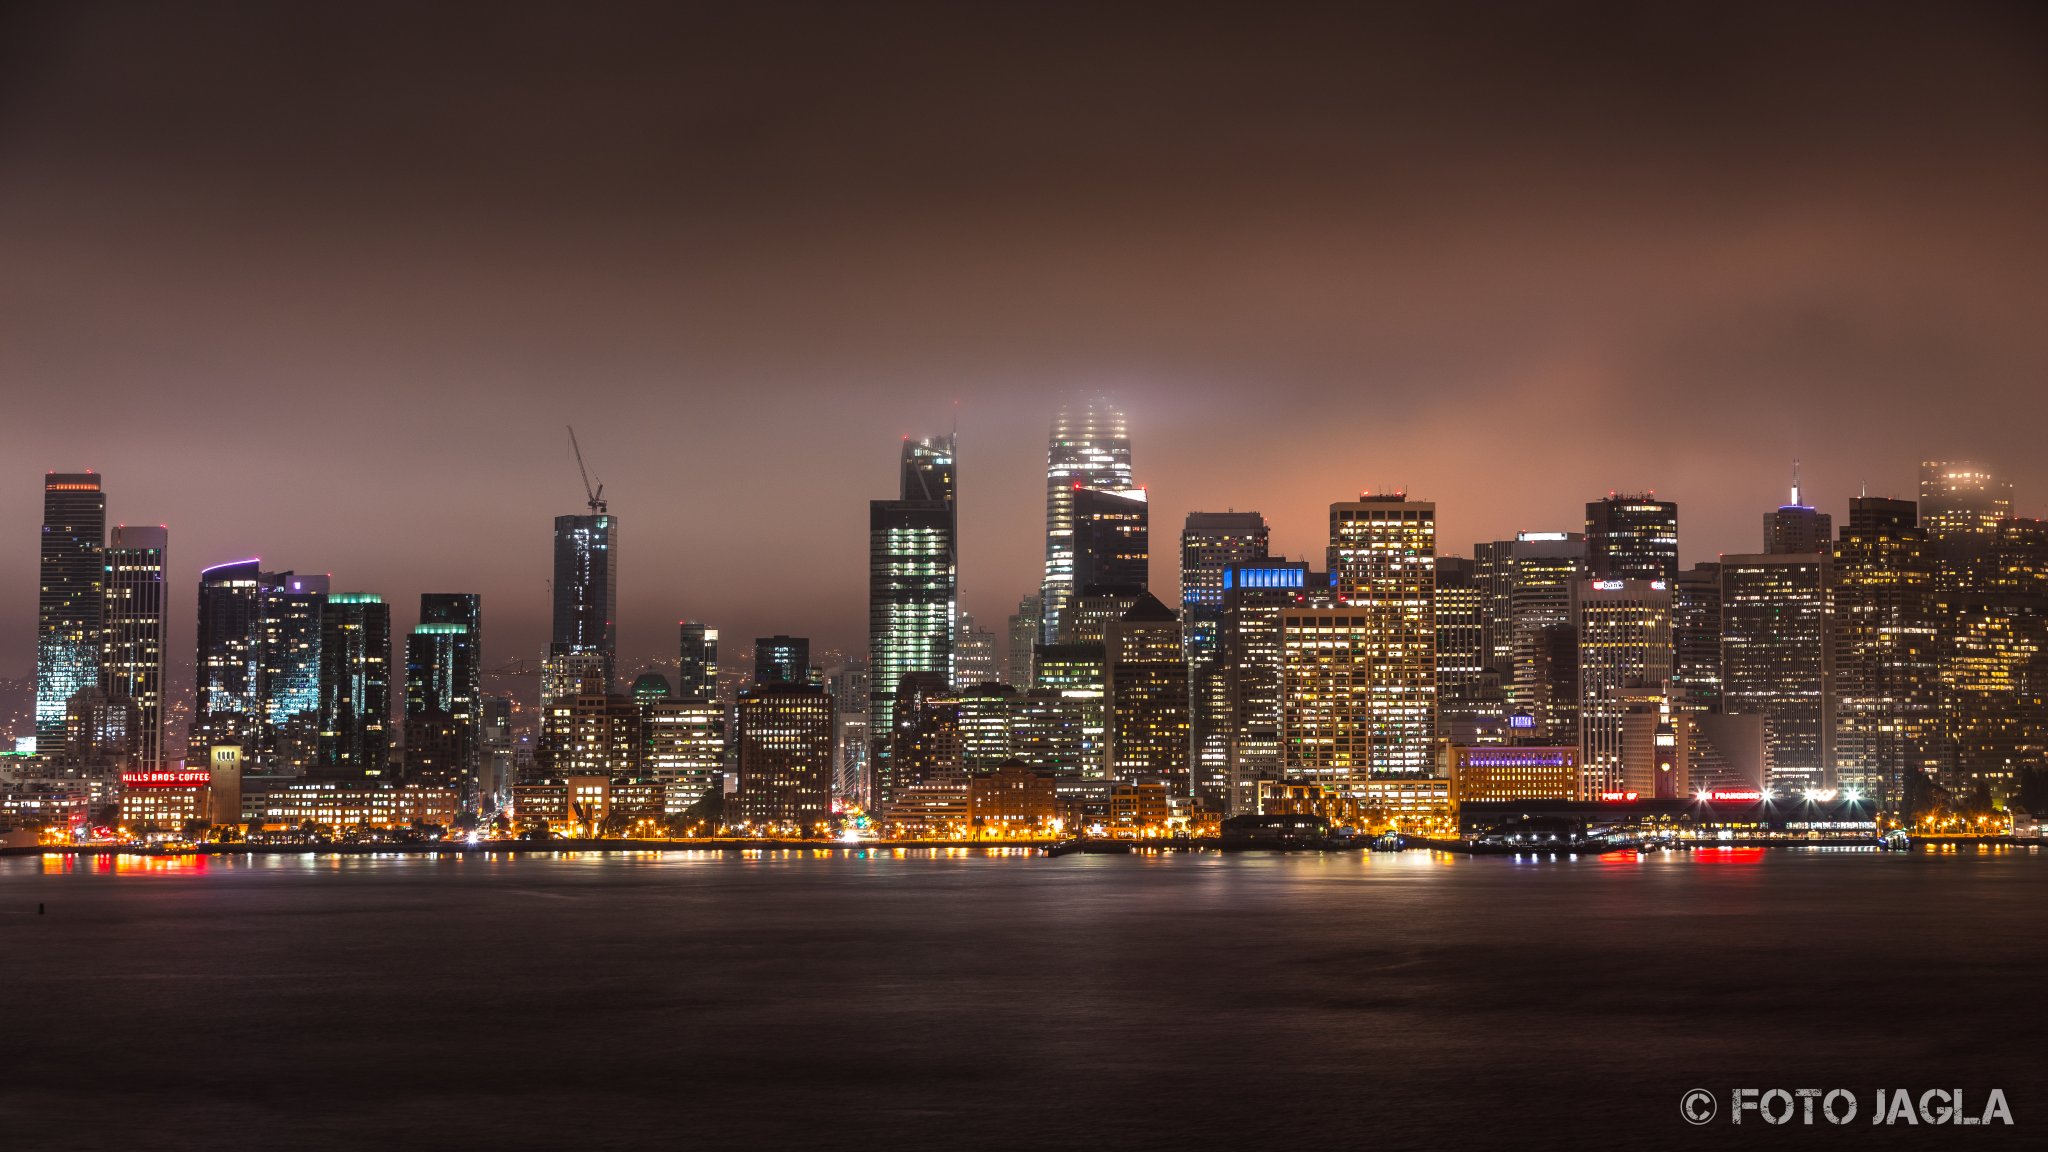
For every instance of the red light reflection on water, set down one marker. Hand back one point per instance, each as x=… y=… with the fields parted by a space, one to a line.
x=1728 y=855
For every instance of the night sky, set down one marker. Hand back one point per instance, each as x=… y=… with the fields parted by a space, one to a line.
x=323 y=282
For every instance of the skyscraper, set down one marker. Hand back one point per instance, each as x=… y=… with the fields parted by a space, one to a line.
x=1528 y=585
x=782 y=659
x=913 y=582
x=1089 y=449
x=227 y=705
x=1027 y=627
x=1777 y=660
x=974 y=654
x=1383 y=569
x=1632 y=537
x=784 y=758
x=1961 y=507
x=444 y=690
x=1249 y=643
x=288 y=669
x=1147 y=680
x=1461 y=665
x=69 y=611
x=355 y=685
x=1112 y=539
x=697 y=662
x=586 y=589
x=1887 y=651
x=136 y=618
x=1797 y=528
x=1624 y=645
x=1696 y=637
x=1210 y=543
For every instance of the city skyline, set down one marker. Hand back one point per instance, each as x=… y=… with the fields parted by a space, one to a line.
x=514 y=621
x=295 y=312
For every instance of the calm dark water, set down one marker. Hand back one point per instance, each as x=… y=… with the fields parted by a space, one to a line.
x=701 y=1001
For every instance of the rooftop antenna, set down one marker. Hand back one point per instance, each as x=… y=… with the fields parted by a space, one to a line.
x=1795 y=483
x=596 y=495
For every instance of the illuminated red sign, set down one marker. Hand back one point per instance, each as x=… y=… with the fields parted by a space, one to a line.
x=166 y=779
x=1617 y=797
x=1740 y=795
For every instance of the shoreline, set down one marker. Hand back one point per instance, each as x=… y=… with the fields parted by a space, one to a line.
x=1019 y=848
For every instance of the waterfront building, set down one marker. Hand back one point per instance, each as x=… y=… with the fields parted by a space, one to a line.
x=1656 y=745
x=784 y=757
x=1383 y=568
x=1076 y=673
x=984 y=715
x=682 y=744
x=1624 y=644
x=355 y=686
x=1887 y=651
x=697 y=662
x=1777 y=660
x=71 y=604
x=1047 y=730
x=1519 y=772
x=586 y=589
x=136 y=618
x=851 y=776
x=1632 y=537
x=1014 y=800
x=1146 y=676
x=1089 y=450
x=1529 y=635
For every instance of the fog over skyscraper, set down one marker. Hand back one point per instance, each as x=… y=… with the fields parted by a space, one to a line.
x=1090 y=448
x=913 y=584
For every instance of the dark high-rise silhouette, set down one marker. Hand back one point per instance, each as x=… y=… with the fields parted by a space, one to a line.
x=586 y=589
x=355 y=685
x=1632 y=537
x=697 y=662
x=136 y=618
x=782 y=660
x=444 y=691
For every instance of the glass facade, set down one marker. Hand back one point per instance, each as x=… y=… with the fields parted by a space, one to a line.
x=69 y=607
x=587 y=589
x=1090 y=448
x=136 y=617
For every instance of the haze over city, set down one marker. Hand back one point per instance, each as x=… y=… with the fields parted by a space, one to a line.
x=324 y=285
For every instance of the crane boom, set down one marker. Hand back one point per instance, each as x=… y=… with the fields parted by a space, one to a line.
x=594 y=495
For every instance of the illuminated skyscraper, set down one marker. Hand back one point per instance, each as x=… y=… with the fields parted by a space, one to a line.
x=227 y=703
x=1994 y=661
x=1090 y=448
x=1112 y=539
x=70 y=608
x=682 y=743
x=1209 y=544
x=444 y=690
x=1887 y=651
x=1624 y=644
x=1696 y=637
x=136 y=618
x=1632 y=537
x=288 y=670
x=1147 y=680
x=1254 y=595
x=1537 y=571
x=1461 y=665
x=586 y=589
x=1797 y=528
x=974 y=655
x=1961 y=507
x=1777 y=660
x=782 y=660
x=355 y=685
x=913 y=585
x=697 y=662
x=1383 y=569
x=784 y=758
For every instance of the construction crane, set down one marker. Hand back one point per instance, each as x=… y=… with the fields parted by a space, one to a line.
x=596 y=494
